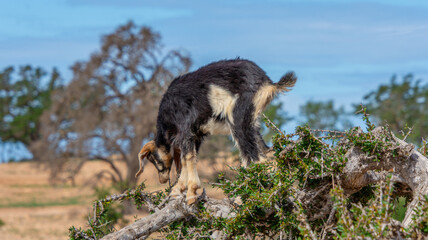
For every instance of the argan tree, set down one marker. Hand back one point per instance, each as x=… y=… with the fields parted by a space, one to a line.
x=109 y=108
x=340 y=186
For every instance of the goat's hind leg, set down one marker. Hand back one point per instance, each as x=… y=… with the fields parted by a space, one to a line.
x=245 y=131
x=248 y=149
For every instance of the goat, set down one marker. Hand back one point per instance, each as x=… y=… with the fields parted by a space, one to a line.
x=224 y=97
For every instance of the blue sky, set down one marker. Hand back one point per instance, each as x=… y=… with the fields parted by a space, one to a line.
x=340 y=50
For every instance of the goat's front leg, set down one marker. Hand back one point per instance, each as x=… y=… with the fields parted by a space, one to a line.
x=193 y=182
x=181 y=185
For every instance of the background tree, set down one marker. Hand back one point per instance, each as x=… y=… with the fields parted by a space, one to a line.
x=110 y=107
x=401 y=104
x=24 y=96
x=323 y=115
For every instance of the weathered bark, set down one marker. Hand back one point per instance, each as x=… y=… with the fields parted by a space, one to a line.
x=172 y=212
x=409 y=167
x=175 y=210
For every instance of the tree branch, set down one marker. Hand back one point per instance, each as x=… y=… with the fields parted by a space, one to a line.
x=175 y=210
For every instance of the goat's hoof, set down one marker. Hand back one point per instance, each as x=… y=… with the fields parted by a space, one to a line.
x=176 y=196
x=191 y=200
x=176 y=193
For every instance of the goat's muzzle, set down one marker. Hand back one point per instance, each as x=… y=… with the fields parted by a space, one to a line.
x=164 y=176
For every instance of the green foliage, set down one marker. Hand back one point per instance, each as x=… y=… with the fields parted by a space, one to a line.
x=399 y=209
x=23 y=98
x=106 y=215
x=186 y=229
x=259 y=190
x=373 y=220
x=2 y=223
x=113 y=212
x=370 y=221
x=420 y=219
x=401 y=105
x=369 y=124
x=379 y=146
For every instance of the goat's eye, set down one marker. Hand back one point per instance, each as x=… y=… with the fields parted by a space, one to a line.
x=159 y=164
x=152 y=158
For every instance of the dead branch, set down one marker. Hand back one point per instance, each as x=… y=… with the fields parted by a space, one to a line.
x=175 y=210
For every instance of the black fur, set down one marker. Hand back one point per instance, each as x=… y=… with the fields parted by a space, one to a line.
x=185 y=107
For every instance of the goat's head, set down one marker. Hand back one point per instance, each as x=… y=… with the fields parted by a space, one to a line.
x=159 y=157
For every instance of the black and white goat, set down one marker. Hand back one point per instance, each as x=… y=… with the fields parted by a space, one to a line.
x=225 y=97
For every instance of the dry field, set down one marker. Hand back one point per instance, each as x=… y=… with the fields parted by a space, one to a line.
x=32 y=208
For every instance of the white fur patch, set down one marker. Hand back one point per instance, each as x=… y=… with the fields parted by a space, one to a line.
x=262 y=98
x=214 y=127
x=222 y=102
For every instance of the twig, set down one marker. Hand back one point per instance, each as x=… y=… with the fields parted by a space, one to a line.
x=273 y=125
x=326 y=225
x=408 y=133
x=165 y=201
x=82 y=235
x=317 y=193
x=339 y=133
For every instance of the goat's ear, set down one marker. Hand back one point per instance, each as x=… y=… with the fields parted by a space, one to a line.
x=148 y=148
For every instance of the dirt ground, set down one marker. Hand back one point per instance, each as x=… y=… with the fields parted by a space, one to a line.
x=32 y=208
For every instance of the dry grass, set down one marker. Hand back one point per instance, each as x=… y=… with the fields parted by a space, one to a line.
x=32 y=208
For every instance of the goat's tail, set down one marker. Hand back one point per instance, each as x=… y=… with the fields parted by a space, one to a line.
x=286 y=82
x=268 y=91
